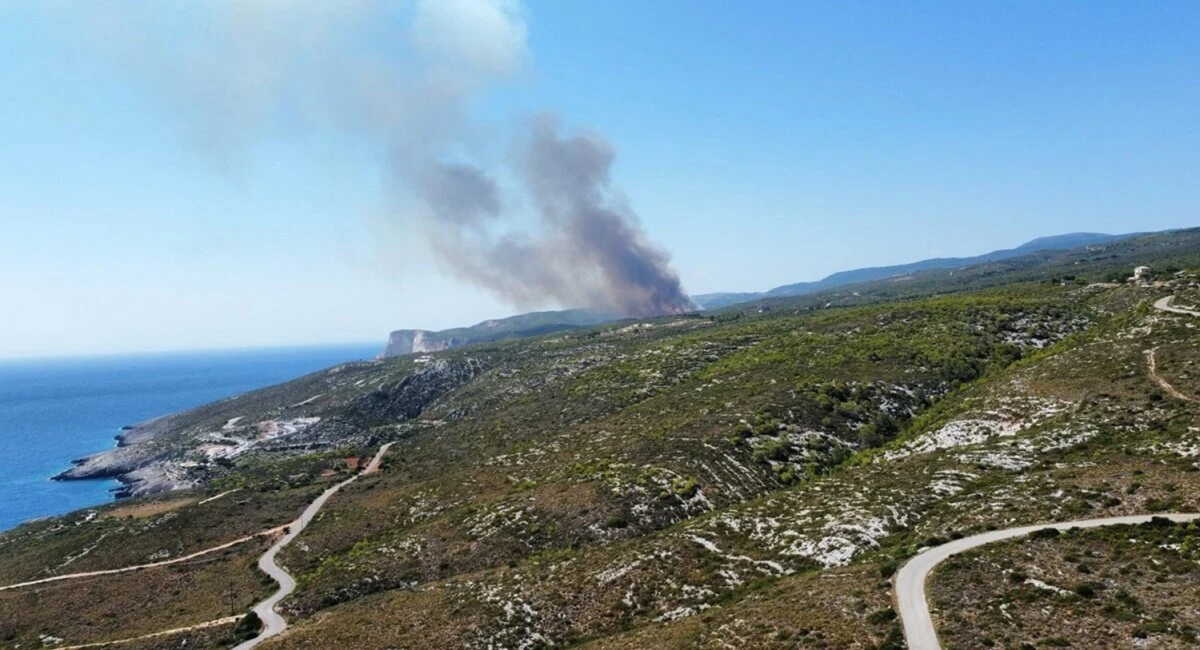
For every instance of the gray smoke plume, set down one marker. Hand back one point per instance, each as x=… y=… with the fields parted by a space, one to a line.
x=590 y=251
x=402 y=76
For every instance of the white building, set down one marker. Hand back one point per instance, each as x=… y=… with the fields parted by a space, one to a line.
x=1141 y=275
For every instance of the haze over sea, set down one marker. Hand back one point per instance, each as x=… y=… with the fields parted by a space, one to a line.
x=55 y=410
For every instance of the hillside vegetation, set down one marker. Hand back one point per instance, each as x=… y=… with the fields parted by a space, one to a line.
x=749 y=477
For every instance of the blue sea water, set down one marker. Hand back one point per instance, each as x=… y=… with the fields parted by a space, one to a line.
x=54 y=410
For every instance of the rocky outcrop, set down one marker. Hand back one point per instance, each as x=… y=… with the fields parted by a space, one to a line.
x=403 y=342
x=328 y=408
x=410 y=396
x=141 y=469
x=107 y=464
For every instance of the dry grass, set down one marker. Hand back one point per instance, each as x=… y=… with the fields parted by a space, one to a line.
x=1119 y=587
x=129 y=605
x=842 y=608
x=146 y=509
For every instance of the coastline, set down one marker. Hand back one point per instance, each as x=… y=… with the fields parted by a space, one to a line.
x=127 y=461
x=75 y=427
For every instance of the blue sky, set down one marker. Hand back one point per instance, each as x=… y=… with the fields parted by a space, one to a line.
x=761 y=143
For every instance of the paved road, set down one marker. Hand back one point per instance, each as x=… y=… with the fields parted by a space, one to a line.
x=273 y=623
x=910 y=580
x=1164 y=304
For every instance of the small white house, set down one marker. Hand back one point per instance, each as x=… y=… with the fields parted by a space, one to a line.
x=1141 y=275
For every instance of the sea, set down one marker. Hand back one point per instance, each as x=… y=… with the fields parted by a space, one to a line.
x=55 y=410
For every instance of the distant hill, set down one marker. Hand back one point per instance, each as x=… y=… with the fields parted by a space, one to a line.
x=718 y=300
x=1063 y=242
x=409 y=341
x=1165 y=252
x=402 y=342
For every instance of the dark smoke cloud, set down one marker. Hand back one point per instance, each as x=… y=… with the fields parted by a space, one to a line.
x=324 y=65
x=590 y=251
x=459 y=195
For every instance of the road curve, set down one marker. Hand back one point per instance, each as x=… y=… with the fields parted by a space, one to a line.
x=1164 y=304
x=273 y=623
x=910 y=580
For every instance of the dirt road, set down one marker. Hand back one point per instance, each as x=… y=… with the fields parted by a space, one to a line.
x=273 y=623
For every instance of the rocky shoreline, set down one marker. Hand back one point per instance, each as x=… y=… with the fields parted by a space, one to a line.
x=337 y=406
x=135 y=462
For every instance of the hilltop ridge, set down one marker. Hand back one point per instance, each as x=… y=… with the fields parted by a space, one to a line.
x=410 y=341
x=841 y=278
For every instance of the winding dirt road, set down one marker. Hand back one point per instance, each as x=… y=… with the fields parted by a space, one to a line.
x=228 y=620
x=910 y=580
x=1152 y=365
x=273 y=623
x=151 y=565
x=1164 y=304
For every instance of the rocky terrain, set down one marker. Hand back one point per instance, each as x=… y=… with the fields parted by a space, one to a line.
x=331 y=408
x=750 y=477
x=402 y=342
x=1129 y=586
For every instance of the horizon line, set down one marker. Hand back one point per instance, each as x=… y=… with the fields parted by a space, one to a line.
x=152 y=352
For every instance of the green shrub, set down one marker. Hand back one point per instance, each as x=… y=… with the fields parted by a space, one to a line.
x=882 y=616
x=617 y=521
x=1088 y=589
x=1045 y=533
x=248 y=627
x=773 y=450
x=684 y=487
